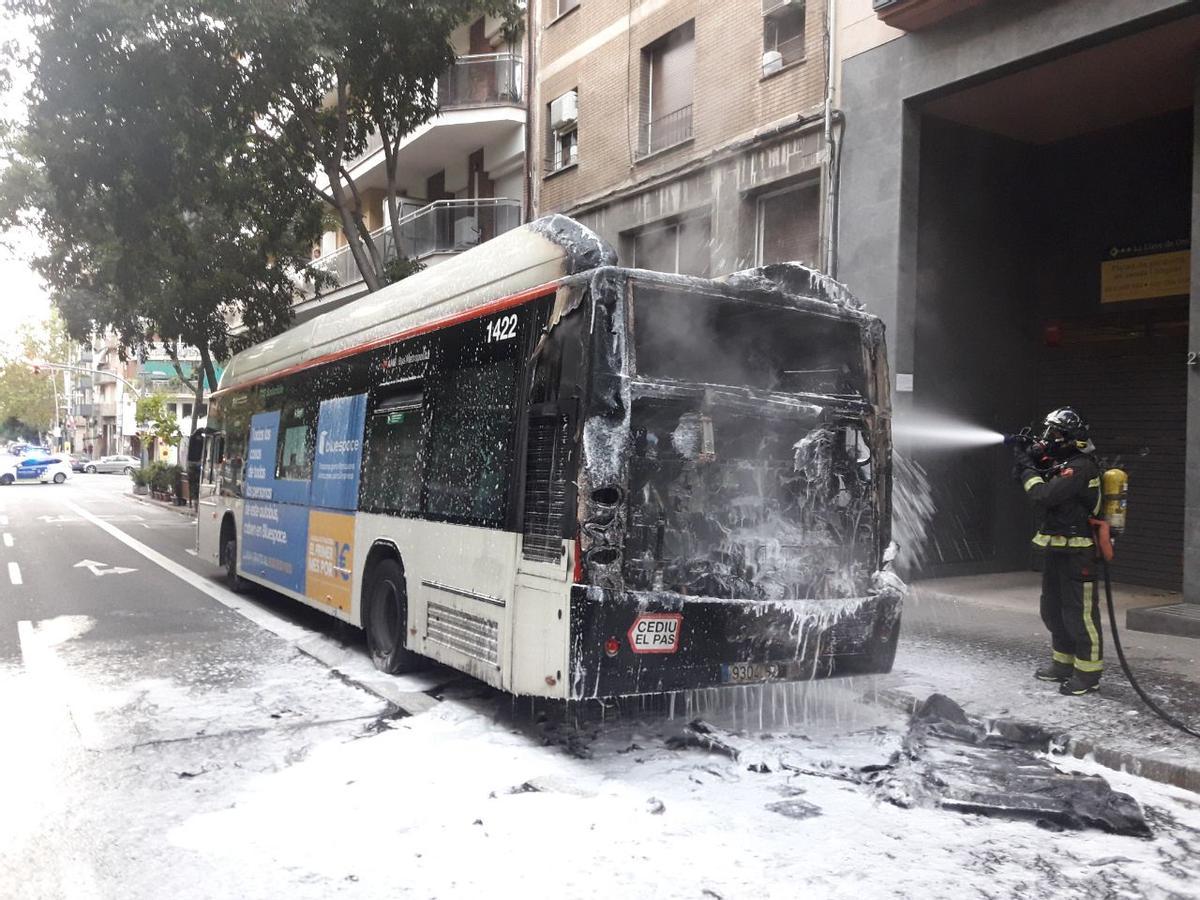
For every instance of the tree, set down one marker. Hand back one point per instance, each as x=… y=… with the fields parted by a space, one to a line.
x=339 y=71
x=159 y=423
x=27 y=396
x=165 y=209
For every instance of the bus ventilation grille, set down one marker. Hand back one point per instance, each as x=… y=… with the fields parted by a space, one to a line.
x=545 y=488
x=473 y=635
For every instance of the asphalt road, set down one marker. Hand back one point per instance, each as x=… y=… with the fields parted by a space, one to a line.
x=138 y=698
x=130 y=697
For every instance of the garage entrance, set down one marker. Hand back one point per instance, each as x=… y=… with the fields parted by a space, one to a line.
x=1052 y=269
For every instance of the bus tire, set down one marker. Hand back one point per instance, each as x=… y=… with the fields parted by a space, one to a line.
x=233 y=580
x=385 y=619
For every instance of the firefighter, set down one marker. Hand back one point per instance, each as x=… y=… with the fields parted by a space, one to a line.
x=1060 y=475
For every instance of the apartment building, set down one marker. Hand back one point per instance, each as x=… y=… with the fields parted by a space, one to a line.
x=1017 y=201
x=463 y=173
x=690 y=135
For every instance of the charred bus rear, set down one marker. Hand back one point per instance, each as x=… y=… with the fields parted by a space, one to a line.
x=735 y=483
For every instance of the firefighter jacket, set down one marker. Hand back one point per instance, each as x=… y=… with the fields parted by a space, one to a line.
x=1065 y=498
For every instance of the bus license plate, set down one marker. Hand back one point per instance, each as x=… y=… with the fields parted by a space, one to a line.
x=744 y=673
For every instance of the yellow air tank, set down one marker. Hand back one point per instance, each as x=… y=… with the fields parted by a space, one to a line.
x=1115 y=485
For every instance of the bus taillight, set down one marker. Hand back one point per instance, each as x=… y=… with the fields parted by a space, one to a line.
x=578 y=573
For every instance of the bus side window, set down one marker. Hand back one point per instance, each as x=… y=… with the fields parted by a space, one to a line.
x=393 y=461
x=215 y=447
x=472 y=405
x=294 y=453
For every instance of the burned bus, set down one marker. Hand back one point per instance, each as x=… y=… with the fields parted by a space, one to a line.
x=569 y=479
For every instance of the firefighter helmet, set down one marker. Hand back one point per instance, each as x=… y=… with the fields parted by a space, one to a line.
x=1065 y=430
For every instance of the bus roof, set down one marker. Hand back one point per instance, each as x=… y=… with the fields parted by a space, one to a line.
x=535 y=254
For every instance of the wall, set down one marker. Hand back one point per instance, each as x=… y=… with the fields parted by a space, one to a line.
x=596 y=49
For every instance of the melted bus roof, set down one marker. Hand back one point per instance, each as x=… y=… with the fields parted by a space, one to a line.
x=534 y=254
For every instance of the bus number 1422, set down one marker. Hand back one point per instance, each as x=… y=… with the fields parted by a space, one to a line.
x=502 y=329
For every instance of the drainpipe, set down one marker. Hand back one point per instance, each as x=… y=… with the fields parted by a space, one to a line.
x=530 y=23
x=830 y=172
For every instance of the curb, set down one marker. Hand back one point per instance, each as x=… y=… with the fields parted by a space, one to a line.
x=1163 y=771
x=184 y=510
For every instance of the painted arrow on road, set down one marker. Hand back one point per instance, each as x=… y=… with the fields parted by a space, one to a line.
x=99 y=568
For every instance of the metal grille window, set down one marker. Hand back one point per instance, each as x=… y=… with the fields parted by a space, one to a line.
x=783 y=33
x=789 y=226
x=545 y=487
x=666 y=107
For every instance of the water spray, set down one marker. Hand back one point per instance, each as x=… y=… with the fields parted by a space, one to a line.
x=932 y=430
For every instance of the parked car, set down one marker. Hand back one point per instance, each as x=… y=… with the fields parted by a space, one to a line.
x=36 y=468
x=118 y=463
x=79 y=461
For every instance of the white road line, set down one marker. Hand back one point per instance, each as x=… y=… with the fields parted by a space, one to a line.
x=7 y=539
x=190 y=552
x=259 y=616
x=14 y=573
x=406 y=691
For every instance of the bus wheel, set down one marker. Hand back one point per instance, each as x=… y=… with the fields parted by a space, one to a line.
x=233 y=580
x=386 y=619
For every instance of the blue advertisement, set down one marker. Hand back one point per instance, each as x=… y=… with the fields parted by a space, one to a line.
x=261 y=483
x=338 y=457
x=260 y=457
x=275 y=542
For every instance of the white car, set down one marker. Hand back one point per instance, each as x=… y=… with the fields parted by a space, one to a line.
x=35 y=468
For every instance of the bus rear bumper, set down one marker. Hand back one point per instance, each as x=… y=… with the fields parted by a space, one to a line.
x=630 y=642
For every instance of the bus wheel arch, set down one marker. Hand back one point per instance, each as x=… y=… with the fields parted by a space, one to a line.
x=383 y=613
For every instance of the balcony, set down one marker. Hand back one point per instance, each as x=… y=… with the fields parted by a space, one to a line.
x=913 y=15
x=441 y=227
x=484 y=79
x=481 y=81
x=106 y=410
x=665 y=131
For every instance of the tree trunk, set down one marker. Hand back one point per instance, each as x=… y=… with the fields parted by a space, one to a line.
x=350 y=231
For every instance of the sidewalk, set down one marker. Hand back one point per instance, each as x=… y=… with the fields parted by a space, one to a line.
x=978 y=640
x=184 y=510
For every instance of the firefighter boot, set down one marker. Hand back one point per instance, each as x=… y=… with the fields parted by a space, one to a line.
x=1080 y=683
x=1055 y=671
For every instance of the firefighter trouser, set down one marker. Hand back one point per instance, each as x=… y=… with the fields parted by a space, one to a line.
x=1070 y=609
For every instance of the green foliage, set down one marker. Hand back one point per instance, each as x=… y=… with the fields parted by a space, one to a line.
x=337 y=71
x=27 y=399
x=158 y=476
x=152 y=411
x=164 y=208
x=401 y=267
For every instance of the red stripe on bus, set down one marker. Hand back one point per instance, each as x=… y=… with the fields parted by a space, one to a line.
x=503 y=303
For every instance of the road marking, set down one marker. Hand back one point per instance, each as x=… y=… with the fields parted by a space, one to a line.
x=7 y=539
x=41 y=660
x=190 y=552
x=99 y=568
x=330 y=653
x=14 y=573
x=275 y=624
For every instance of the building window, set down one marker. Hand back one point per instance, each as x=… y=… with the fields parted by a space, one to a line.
x=679 y=247
x=789 y=225
x=783 y=34
x=562 y=7
x=562 y=133
x=665 y=114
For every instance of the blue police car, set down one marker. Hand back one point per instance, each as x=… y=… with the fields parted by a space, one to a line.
x=35 y=468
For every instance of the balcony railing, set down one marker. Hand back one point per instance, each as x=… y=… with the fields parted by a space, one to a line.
x=665 y=131
x=481 y=80
x=445 y=226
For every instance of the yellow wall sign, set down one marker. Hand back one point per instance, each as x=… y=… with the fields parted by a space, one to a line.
x=330 y=558
x=1145 y=276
